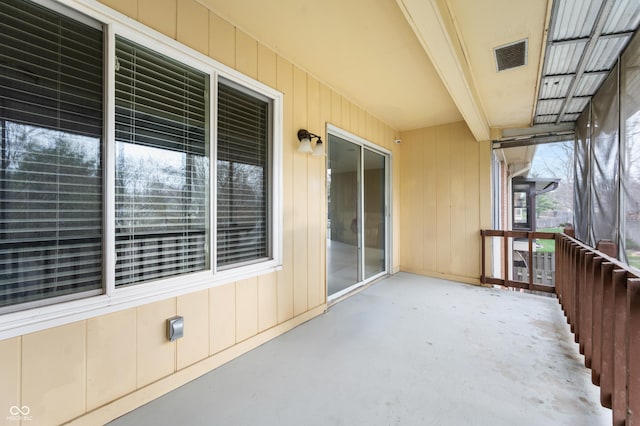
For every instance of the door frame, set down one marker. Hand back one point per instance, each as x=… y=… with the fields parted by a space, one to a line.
x=388 y=248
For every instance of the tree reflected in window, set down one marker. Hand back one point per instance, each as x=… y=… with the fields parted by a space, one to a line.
x=50 y=213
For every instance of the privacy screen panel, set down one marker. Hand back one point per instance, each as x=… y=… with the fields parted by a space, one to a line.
x=162 y=166
x=630 y=170
x=51 y=109
x=582 y=193
x=605 y=161
x=242 y=175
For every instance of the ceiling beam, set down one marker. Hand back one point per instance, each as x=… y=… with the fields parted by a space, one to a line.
x=537 y=130
x=586 y=39
x=433 y=25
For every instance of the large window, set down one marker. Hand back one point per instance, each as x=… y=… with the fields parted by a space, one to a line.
x=106 y=179
x=51 y=109
x=242 y=176
x=162 y=166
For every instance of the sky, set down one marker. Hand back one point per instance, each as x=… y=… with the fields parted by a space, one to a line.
x=550 y=160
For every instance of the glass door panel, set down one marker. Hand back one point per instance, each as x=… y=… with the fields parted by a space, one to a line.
x=374 y=223
x=343 y=234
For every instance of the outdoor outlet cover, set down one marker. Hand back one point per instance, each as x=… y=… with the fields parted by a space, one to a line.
x=175 y=328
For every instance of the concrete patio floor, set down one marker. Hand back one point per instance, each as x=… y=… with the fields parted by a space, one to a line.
x=408 y=350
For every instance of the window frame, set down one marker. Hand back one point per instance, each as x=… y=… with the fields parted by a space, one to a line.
x=53 y=312
x=19 y=117
x=221 y=269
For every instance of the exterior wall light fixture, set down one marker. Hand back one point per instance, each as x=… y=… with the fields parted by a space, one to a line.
x=305 y=137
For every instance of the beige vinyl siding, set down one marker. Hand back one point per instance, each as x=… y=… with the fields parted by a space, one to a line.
x=222 y=308
x=246 y=309
x=155 y=358
x=267 y=301
x=111 y=368
x=315 y=193
x=192 y=25
x=11 y=371
x=194 y=346
x=161 y=15
x=300 y=178
x=54 y=372
x=446 y=198
x=97 y=369
x=285 y=276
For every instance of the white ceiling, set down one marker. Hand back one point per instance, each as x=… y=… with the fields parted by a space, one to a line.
x=364 y=49
x=508 y=96
x=411 y=63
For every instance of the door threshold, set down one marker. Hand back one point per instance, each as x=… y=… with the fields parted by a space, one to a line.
x=354 y=290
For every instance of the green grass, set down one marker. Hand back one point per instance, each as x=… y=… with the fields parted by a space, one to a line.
x=548 y=246
x=557 y=229
x=634 y=259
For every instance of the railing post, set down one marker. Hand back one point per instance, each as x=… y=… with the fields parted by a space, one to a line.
x=606 y=354
x=619 y=397
x=560 y=268
x=530 y=268
x=566 y=255
x=505 y=260
x=596 y=363
x=633 y=351
x=587 y=326
x=579 y=290
x=482 y=250
x=571 y=285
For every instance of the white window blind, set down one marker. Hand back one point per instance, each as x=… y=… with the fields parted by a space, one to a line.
x=51 y=109
x=242 y=176
x=162 y=166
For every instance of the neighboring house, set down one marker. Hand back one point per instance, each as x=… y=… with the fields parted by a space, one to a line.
x=150 y=169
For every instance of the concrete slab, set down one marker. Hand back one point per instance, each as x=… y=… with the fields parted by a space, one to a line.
x=408 y=350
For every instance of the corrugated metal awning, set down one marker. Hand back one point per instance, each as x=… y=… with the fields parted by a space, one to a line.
x=585 y=40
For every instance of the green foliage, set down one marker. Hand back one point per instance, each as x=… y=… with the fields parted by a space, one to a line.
x=545 y=203
x=632 y=244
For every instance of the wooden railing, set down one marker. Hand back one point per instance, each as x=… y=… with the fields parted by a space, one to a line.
x=506 y=262
x=601 y=300
x=600 y=297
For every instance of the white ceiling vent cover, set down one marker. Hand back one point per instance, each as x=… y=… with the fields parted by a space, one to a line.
x=512 y=55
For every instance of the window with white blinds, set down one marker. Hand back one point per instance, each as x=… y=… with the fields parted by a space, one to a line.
x=243 y=221
x=55 y=156
x=51 y=113
x=162 y=166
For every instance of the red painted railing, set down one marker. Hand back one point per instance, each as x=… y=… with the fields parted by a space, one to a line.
x=601 y=300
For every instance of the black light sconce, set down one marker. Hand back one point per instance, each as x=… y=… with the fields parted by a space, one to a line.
x=305 y=137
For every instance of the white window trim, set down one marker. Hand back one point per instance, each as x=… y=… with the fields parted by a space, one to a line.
x=112 y=300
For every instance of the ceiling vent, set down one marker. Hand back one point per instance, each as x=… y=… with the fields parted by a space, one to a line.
x=512 y=55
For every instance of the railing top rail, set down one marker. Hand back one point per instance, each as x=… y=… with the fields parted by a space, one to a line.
x=518 y=234
x=617 y=263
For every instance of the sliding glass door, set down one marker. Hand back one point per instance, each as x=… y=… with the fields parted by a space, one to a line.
x=374 y=231
x=357 y=180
